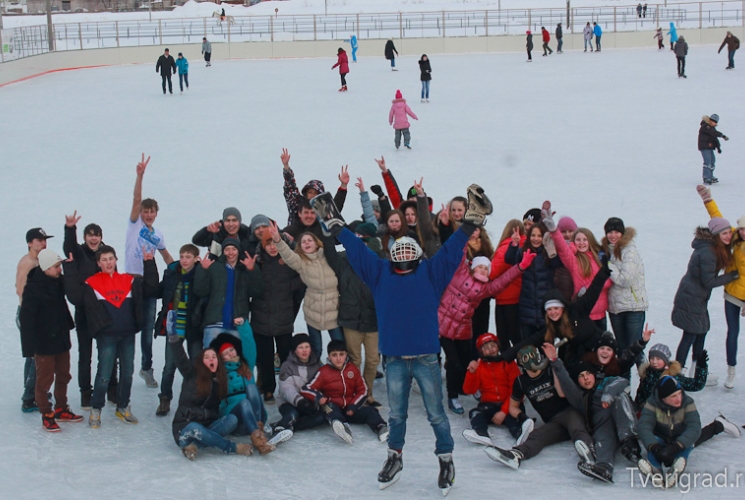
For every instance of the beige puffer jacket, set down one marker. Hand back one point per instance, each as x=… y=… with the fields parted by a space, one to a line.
x=321 y=304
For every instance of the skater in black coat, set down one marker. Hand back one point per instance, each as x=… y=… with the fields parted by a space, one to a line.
x=166 y=65
x=390 y=49
x=529 y=44
x=426 y=76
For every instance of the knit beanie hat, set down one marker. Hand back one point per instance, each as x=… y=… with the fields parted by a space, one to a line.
x=717 y=225
x=714 y=117
x=741 y=222
x=48 y=258
x=566 y=224
x=576 y=370
x=366 y=229
x=614 y=224
x=667 y=386
x=375 y=204
x=227 y=242
x=225 y=346
x=399 y=95
x=481 y=261
x=534 y=215
x=232 y=211
x=607 y=339
x=259 y=220
x=300 y=338
x=661 y=351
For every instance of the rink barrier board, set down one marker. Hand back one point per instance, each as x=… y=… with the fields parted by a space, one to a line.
x=24 y=69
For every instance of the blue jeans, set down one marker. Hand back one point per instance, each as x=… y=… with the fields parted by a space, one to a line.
x=249 y=411
x=111 y=347
x=597 y=42
x=560 y=42
x=183 y=78
x=316 y=342
x=588 y=40
x=398 y=375
x=425 y=89
x=212 y=436
x=211 y=333
x=393 y=62
x=732 y=314
x=709 y=163
x=628 y=327
x=146 y=336
x=656 y=463
x=731 y=58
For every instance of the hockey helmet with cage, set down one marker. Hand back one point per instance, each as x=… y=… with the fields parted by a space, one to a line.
x=532 y=358
x=405 y=254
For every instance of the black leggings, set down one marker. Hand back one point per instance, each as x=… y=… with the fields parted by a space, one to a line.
x=343 y=79
x=507 y=318
x=457 y=357
x=265 y=358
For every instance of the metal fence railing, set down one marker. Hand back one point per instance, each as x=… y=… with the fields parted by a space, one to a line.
x=32 y=40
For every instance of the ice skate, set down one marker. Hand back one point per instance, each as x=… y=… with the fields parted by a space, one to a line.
x=596 y=471
x=474 y=437
x=342 y=430
x=391 y=471
x=447 y=473
x=510 y=458
x=527 y=428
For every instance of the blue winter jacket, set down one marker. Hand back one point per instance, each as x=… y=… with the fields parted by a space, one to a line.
x=353 y=41
x=183 y=65
x=406 y=304
x=673 y=33
x=598 y=30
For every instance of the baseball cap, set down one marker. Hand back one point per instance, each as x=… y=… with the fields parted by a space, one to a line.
x=35 y=233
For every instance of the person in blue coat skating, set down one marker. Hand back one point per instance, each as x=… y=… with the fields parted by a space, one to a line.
x=598 y=33
x=183 y=71
x=353 y=42
x=407 y=291
x=673 y=35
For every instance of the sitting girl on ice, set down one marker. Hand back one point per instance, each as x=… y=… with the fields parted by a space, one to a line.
x=469 y=286
x=608 y=363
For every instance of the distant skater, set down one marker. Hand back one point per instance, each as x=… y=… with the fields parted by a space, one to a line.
x=397 y=118
x=732 y=43
x=598 y=34
x=546 y=38
x=353 y=42
x=167 y=66
x=559 y=39
x=659 y=36
x=426 y=76
x=587 y=35
x=529 y=44
x=183 y=72
x=390 y=49
x=681 y=51
x=343 y=64
x=673 y=35
x=207 y=51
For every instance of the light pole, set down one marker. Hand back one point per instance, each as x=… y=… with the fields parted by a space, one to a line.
x=50 y=28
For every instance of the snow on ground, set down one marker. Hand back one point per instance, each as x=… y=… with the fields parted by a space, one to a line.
x=600 y=135
x=305 y=7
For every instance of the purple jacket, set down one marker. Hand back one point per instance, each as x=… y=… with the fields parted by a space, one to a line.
x=397 y=116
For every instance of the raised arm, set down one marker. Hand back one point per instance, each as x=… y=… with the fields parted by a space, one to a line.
x=134 y=214
x=290 y=189
x=394 y=194
x=365 y=263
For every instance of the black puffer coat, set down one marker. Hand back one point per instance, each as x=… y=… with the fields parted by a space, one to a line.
x=191 y=407
x=690 y=311
x=273 y=313
x=425 y=70
x=45 y=318
x=390 y=49
x=538 y=279
x=708 y=136
x=356 y=303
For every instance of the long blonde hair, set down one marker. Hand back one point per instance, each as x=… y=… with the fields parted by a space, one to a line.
x=299 y=248
x=509 y=227
x=583 y=259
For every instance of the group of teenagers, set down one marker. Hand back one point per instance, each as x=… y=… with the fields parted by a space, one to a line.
x=408 y=286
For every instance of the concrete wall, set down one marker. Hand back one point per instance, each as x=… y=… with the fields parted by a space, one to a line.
x=33 y=66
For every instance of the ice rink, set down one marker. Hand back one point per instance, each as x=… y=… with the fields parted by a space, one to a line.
x=600 y=135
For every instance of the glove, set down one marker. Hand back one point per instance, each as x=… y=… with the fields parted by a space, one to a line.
x=548 y=217
x=332 y=226
x=703 y=360
x=549 y=245
x=377 y=190
x=719 y=150
x=655 y=448
x=725 y=138
x=666 y=455
x=704 y=193
x=527 y=260
x=479 y=206
x=734 y=275
x=349 y=408
x=604 y=260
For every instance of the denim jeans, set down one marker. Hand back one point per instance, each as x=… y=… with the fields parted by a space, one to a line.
x=732 y=314
x=588 y=40
x=656 y=463
x=709 y=163
x=211 y=333
x=560 y=43
x=628 y=327
x=249 y=411
x=298 y=420
x=426 y=371
x=212 y=436
x=183 y=78
x=425 y=89
x=146 y=336
x=597 y=42
x=111 y=347
x=393 y=62
x=169 y=371
x=688 y=339
x=731 y=58
x=316 y=341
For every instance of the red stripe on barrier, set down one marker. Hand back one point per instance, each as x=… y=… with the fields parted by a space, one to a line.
x=51 y=71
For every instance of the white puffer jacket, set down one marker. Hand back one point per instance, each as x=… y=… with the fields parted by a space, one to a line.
x=628 y=292
x=321 y=303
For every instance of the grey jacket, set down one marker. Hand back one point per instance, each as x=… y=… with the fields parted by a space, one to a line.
x=681 y=47
x=690 y=306
x=206 y=47
x=293 y=375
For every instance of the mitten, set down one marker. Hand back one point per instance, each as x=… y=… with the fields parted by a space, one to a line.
x=704 y=193
x=548 y=217
x=377 y=190
x=703 y=359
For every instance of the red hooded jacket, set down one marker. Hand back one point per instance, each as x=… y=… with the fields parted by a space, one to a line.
x=494 y=380
x=345 y=388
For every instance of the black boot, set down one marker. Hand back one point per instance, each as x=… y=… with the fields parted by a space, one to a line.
x=631 y=450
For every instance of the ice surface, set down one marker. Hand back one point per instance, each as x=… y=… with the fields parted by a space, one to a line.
x=600 y=135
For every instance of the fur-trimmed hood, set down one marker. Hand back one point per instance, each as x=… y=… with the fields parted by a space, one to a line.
x=705 y=119
x=628 y=235
x=702 y=236
x=673 y=369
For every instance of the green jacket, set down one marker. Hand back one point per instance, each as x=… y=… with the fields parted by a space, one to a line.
x=211 y=284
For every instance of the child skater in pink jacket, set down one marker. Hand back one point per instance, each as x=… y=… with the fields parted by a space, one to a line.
x=397 y=118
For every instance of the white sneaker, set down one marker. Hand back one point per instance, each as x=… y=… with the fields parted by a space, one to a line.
x=281 y=437
x=729 y=427
x=730 y=382
x=473 y=437
x=426 y=100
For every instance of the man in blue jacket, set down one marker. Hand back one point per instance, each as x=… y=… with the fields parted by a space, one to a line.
x=407 y=291
x=598 y=33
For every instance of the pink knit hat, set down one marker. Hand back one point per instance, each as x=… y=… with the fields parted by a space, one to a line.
x=566 y=224
x=399 y=95
x=717 y=225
